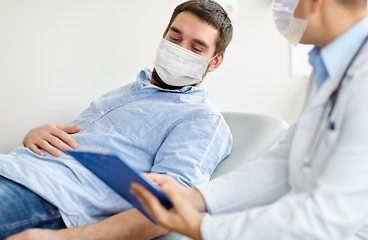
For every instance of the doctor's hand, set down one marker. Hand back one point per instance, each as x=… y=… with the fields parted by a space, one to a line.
x=184 y=216
x=51 y=138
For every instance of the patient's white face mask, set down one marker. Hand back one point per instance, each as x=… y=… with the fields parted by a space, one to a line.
x=177 y=66
x=290 y=27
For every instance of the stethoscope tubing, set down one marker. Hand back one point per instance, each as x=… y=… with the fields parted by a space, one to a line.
x=326 y=116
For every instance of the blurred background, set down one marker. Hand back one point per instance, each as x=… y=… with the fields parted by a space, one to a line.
x=58 y=56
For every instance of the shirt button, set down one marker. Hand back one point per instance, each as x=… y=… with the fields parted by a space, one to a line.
x=14 y=153
x=102 y=112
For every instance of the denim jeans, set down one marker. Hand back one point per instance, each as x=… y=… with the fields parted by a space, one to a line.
x=21 y=208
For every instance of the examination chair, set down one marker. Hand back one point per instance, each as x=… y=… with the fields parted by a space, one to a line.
x=253 y=134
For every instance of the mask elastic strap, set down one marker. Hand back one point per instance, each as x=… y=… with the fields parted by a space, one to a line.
x=214 y=57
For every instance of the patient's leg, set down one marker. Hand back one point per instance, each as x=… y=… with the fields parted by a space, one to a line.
x=20 y=209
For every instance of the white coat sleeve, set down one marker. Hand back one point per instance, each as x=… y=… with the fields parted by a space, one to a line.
x=256 y=183
x=335 y=208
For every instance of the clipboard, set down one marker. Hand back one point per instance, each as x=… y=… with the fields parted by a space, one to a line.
x=119 y=176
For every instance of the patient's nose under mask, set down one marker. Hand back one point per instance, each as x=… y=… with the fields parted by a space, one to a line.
x=177 y=66
x=290 y=27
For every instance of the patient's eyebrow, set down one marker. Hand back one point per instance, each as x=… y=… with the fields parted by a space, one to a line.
x=204 y=44
x=174 y=29
x=200 y=42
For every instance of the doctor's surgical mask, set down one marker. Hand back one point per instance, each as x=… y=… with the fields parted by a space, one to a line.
x=177 y=66
x=290 y=27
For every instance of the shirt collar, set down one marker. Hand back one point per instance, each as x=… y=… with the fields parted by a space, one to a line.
x=335 y=54
x=315 y=59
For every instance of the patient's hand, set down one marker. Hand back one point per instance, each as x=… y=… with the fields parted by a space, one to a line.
x=51 y=138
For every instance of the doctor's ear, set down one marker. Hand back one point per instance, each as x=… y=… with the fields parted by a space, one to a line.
x=216 y=62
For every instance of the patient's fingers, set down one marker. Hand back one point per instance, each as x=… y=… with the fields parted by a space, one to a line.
x=59 y=139
x=69 y=129
x=36 y=150
x=51 y=138
x=45 y=145
x=64 y=131
x=62 y=140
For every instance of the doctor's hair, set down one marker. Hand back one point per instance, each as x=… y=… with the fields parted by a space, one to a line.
x=214 y=14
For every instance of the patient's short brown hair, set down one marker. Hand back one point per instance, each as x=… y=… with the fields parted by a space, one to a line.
x=211 y=12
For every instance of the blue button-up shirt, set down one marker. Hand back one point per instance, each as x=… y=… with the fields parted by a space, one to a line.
x=174 y=132
x=328 y=61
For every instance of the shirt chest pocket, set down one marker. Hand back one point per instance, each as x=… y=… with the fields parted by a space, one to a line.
x=135 y=121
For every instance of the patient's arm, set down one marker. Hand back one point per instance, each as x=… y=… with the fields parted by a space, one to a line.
x=51 y=138
x=129 y=225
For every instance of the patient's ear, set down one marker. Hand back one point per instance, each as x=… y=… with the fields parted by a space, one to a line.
x=216 y=62
x=165 y=33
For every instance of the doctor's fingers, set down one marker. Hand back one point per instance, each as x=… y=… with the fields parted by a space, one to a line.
x=151 y=204
x=182 y=210
x=167 y=182
x=160 y=179
x=183 y=217
x=179 y=200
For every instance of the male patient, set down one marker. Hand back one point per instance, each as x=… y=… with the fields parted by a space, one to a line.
x=161 y=123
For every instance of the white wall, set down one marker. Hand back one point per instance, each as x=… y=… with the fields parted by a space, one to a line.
x=57 y=56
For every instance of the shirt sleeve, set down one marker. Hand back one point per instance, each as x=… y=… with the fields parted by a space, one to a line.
x=193 y=148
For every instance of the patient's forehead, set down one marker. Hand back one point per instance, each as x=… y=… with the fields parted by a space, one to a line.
x=193 y=27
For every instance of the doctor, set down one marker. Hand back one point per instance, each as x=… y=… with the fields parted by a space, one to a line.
x=314 y=184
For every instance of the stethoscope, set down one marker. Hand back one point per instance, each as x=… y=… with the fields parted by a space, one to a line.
x=325 y=120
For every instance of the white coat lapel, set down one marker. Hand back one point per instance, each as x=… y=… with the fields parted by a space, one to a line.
x=307 y=122
x=325 y=91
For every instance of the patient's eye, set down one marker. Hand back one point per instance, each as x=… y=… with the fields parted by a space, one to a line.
x=174 y=39
x=197 y=49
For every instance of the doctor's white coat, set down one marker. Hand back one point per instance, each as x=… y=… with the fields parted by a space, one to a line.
x=272 y=198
